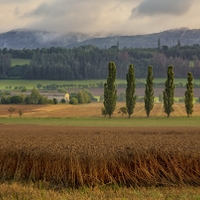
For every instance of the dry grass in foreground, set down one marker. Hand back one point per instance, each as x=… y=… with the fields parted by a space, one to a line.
x=91 y=156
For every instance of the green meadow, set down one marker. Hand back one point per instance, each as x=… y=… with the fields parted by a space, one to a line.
x=18 y=61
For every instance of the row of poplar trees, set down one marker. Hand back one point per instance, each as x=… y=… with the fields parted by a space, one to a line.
x=110 y=92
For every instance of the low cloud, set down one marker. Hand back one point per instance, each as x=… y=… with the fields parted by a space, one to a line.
x=52 y=9
x=162 y=7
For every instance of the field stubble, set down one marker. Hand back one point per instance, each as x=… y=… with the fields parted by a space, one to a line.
x=90 y=110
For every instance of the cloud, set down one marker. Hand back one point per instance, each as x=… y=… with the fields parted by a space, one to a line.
x=55 y=8
x=14 y=1
x=162 y=7
x=99 y=17
x=79 y=15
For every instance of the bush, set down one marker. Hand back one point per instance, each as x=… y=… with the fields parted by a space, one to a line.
x=5 y=100
x=24 y=89
x=43 y=100
x=50 y=101
x=73 y=101
x=61 y=90
x=91 y=96
x=16 y=99
x=55 y=101
x=83 y=97
x=62 y=100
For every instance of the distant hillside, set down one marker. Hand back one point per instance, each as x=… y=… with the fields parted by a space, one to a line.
x=169 y=38
x=29 y=39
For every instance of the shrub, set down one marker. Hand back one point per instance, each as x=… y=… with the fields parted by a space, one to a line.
x=62 y=100
x=55 y=101
x=123 y=110
x=73 y=101
x=16 y=99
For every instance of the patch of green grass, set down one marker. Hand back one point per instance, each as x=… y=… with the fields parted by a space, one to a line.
x=17 y=61
x=191 y=63
x=105 y=121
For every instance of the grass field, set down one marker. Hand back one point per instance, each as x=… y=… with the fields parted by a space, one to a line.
x=17 y=61
x=101 y=121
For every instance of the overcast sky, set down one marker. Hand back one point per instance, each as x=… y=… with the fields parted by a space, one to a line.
x=100 y=17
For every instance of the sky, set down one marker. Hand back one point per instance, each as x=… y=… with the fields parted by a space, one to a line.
x=100 y=17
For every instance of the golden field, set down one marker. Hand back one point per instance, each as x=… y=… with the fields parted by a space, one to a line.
x=90 y=110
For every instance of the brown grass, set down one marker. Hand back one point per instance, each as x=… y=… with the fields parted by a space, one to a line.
x=90 y=156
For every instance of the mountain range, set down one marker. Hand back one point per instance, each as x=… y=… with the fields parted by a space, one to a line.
x=32 y=39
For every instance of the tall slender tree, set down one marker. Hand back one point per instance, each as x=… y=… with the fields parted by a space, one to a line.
x=189 y=95
x=149 y=93
x=168 y=93
x=130 y=91
x=110 y=93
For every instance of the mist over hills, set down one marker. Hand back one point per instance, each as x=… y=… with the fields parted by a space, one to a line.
x=32 y=39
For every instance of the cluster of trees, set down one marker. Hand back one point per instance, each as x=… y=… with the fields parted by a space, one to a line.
x=110 y=92
x=82 y=97
x=34 y=98
x=89 y=62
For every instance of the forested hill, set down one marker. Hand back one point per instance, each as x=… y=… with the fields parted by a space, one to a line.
x=29 y=39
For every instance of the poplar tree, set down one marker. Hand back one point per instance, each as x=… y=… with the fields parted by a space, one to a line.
x=110 y=93
x=130 y=91
x=149 y=93
x=168 y=93
x=189 y=95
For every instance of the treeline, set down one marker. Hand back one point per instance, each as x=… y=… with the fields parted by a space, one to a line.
x=89 y=62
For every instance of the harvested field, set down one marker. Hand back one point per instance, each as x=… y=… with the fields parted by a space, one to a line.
x=89 y=156
x=90 y=110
